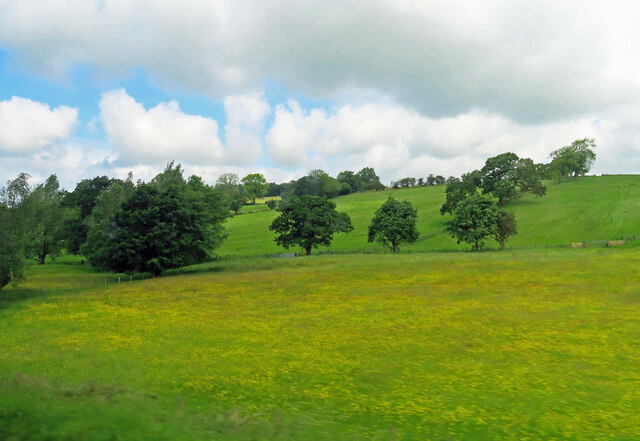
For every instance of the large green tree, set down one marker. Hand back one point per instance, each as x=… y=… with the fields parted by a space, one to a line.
x=394 y=223
x=309 y=222
x=37 y=216
x=474 y=220
x=10 y=253
x=573 y=160
x=507 y=177
x=99 y=244
x=164 y=224
x=254 y=186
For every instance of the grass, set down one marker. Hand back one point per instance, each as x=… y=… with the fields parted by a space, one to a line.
x=588 y=209
x=515 y=345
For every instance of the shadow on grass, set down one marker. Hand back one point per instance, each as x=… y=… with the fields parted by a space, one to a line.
x=9 y=297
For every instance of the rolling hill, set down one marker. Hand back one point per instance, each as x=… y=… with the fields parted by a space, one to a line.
x=588 y=209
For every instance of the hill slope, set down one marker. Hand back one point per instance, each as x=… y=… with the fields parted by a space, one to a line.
x=591 y=208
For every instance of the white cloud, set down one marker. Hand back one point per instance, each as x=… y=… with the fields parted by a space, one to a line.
x=398 y=141
x=245 y=125
x=160 y=134
x=530 y=61
x=28 y=126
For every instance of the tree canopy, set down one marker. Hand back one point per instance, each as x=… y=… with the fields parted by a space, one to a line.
x=394 y=223
x=573 y=160
x=164 y=224
x=10 y=253
x=474 y=220
x=309 y=222
x=254 y=186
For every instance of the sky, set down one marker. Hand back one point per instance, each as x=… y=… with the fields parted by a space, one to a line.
x=281 y=87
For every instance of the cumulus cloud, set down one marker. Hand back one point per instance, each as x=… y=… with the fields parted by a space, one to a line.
x=28 y=126
x=530 y=61
x=160 y=134
x=398 y=141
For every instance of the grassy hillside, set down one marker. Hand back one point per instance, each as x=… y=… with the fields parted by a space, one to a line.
x=591 y=208
x=522 y=344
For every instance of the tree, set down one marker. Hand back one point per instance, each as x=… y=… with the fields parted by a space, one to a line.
x=82 y=200
x=370 y=179
x=236 y=202
x=164 y=224
x=10 y=253
x=530 y=177
x=573 y=160
x=43 y=221
x=308 y=222
x=229 y=184
x=474 y=219
x=499 y=177
x=394 y=223
x=255 y=186
x=459 y=190
x=505 y=227
x=507 y=177
x=354 y=182
x=102 y=229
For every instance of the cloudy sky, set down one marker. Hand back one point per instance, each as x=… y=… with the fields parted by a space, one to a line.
x=409 y=87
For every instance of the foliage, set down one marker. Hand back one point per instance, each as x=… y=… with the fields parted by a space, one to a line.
x=10 y=253
x=507 y=177
x=573 y=160
x=254 y=186
x=474 y=219
x=37 y=216
x=394 y=223
x=272 y=204
x=459 y=190
x=350 y=182
x=317 y=183
x=499 y=177
x=101 y=225
x=82 y=200
x=164 y=224
x=370 y=179
x=309 y=221
x=236 y=201
x=506 y=226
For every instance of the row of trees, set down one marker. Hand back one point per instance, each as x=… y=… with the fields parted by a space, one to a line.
x=421 y=182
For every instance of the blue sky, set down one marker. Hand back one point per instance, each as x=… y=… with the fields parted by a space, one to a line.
x=409 y=88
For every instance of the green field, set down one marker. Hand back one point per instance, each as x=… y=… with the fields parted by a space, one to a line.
x=537 y=342
x=513 y=345
x=589 y=209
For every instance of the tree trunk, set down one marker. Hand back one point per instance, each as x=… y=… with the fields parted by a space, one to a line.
x=308 y=250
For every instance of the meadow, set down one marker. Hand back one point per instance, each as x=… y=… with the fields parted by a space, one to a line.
x=591 y=209
x=537 y=344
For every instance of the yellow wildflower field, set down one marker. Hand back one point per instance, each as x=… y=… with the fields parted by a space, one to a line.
x=516 y=345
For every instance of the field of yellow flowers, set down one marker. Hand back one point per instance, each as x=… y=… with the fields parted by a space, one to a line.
x=515 y=345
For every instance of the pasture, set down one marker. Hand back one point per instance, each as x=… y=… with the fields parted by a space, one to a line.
x=513 y=345
x=589 y=209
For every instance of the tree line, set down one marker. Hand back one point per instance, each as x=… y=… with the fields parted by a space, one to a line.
x=173 y=221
